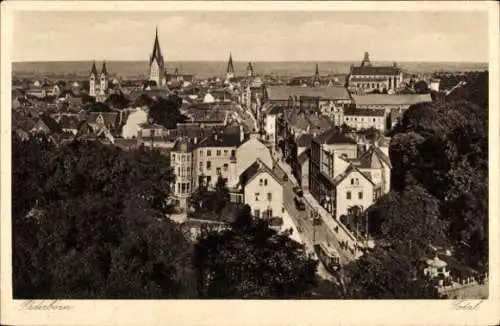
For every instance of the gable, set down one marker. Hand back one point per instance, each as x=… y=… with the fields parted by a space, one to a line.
x=364 y=182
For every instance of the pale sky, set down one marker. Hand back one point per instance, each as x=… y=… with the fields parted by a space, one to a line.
x=252 y=36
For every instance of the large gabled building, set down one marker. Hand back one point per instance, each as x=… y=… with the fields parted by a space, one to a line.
x=367 y=78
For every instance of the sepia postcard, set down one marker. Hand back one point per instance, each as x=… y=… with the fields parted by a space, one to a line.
x=249 y=163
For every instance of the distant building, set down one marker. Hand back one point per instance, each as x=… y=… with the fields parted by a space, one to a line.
x=367 y=78
x=230 y=68
x=134 y=119
x=434 y=84
x=156 y=63
x=98 y=83
x=393 y=105
x=250 y=71
x=360 y=119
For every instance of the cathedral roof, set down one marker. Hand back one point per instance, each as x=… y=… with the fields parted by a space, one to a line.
x=230 y=67
x=156 y=54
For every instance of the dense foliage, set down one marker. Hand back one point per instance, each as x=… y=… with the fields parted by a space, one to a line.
x=88 y=223
x=439 y=196
x=251 y=261
x=166 y=112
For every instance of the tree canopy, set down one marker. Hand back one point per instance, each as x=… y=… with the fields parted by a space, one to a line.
x=443 y=147
x=250 y=260
x=89 y=222
x=166 y=112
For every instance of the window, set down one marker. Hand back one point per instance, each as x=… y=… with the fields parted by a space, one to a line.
x=226 y=152
x=348 y=195
x=218 y=152
x=218 y=170
x=209 y=179
x=173 y=157
x=260 y=182
x=188 y=169
x=257 y=196
x=360 y=195
x=233 y=153
x=256 y=213
x=269 y=196
x=225 y=167
x=201 y=165
x=373 y=119
x=265 y=182
x=352 y=181
x=178 y=171
x=209 y=153
x=201 y=152
x=209 y=165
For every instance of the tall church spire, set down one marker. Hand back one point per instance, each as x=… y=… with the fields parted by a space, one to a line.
x=156 y=63
x=94 y=69
x=156 y=54
x=230 y=67
x=316 y=72
x=250 y=72
x=366 y=61
x=104 y=70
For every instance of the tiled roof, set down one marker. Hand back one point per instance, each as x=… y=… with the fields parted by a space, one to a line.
x=381 y=71
x=284 y=92
x=382 y=99
x=334 y=136
x=221 y=140
x=69 y=122
x=304 y=140
x=367 y=159
x=303 y=156
x=51 y=124
x=148 y=125
x=253 y=170
x=110 y=118
x=351 y=168
x=365 y=112
x=275 y=110
x=184 y=145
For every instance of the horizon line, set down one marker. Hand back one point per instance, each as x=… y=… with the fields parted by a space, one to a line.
x=246 y=61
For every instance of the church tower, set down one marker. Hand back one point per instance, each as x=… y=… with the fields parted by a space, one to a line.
x=104 y=79
x=250 y=72
x=93 y=76
x=366 y=61
x=230 y=67
x=316 y=75
x=156 y=63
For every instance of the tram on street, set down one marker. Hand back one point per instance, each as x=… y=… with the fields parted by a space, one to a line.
x=328 y=256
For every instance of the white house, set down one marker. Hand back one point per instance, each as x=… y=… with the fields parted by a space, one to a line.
x=131 y=127
x=250 y=151
x=263 y=191
x=208 y=98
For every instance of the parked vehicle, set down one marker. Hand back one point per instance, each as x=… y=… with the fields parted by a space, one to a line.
x=298 y=191
x=299 y=204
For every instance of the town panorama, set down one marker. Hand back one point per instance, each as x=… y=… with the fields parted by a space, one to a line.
x=368 y=184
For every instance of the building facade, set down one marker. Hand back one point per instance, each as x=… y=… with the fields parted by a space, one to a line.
x=368 y=78
x=360 y=119
x=181 y=161
x=263 y=191
x=215 y=156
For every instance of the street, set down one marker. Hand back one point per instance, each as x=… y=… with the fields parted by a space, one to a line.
x=311 y=234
